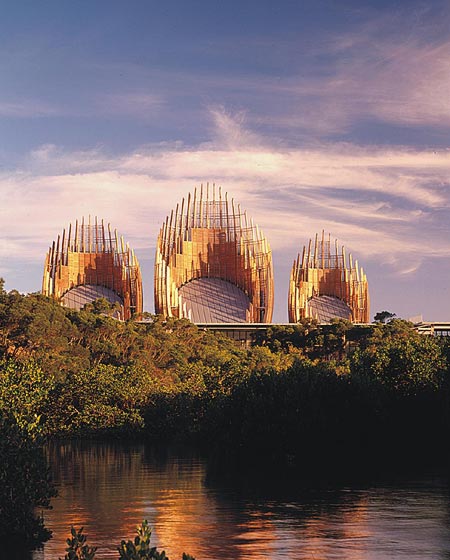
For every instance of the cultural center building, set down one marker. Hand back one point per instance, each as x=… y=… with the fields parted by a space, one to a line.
x=90 y=261
x=213 y=264
x=325 y=283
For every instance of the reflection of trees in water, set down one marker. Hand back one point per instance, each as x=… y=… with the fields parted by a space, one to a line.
x=110 y=487
x=293 y=516
x=376 y=514
x=97 y=485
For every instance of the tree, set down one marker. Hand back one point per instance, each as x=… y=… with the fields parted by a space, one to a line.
x=383 y=317
x=24 y=485
x=401 y=359
x=27 y=392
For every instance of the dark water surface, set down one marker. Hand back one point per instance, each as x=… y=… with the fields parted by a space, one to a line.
x=109 y=488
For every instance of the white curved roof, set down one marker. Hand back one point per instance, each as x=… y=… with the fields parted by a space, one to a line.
x=212 y=300
x=324 y=308
x=78 y=297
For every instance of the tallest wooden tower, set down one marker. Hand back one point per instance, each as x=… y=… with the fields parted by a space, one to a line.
x=213 y=264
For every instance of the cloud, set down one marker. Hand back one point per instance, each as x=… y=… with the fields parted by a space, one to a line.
x=229 y=131
x=387 y=204
x=388 y=68
x=27 y=108
x=134 y=104
x=403 y=83
x=54 y=160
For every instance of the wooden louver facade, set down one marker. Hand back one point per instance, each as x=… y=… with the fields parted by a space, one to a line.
x=325 y=283
x=89 y=261
x=213 y=264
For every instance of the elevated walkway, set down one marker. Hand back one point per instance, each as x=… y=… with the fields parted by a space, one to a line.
x=244 y=332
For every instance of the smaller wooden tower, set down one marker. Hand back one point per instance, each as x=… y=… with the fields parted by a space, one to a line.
x=326 y=284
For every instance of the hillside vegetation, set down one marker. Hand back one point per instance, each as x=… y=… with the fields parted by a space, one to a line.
x=64 y=372
x=301 y=394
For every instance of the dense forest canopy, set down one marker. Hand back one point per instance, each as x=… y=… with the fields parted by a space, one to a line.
x=299 y=393
x=64 y=372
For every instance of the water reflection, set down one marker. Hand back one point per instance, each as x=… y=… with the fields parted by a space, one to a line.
x=109 y=488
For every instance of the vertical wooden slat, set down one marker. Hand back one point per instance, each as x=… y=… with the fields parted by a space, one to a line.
x=194 y=212
x=76 y=248
x=69 y=240
x=83 y=248
x=188 y=218
x=63 y=246
x=201 y=207
x=316 y=248
x=96 y=235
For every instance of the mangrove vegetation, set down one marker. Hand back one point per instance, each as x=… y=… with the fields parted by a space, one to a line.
x=300 y=393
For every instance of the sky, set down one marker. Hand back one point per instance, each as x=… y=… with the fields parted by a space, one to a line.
x=313 y=115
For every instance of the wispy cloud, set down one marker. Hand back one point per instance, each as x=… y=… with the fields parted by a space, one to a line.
x=390 y=204
x=230 y=131
x=27 y=108
x=391 y=68
x=49 y=159
x=134 y=104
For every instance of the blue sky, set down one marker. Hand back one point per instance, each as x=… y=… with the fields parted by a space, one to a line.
x=313 y=115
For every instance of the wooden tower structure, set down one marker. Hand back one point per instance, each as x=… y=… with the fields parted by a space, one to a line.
x=90 y=261
x=213 y=264
x=326 y=284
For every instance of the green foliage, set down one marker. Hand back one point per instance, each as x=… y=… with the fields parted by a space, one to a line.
x=77 y=549
x=401 y=359
x=301 y=335
x=139 y=549
x=79 y=373
x=24 y=484
x=102 y=398
x=27 y=392
x=102 y=306
x=275 y=414
x=300 y=390
x=69 y=372
x=307 y=338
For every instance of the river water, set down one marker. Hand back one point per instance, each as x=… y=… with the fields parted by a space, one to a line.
x=109 y=488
